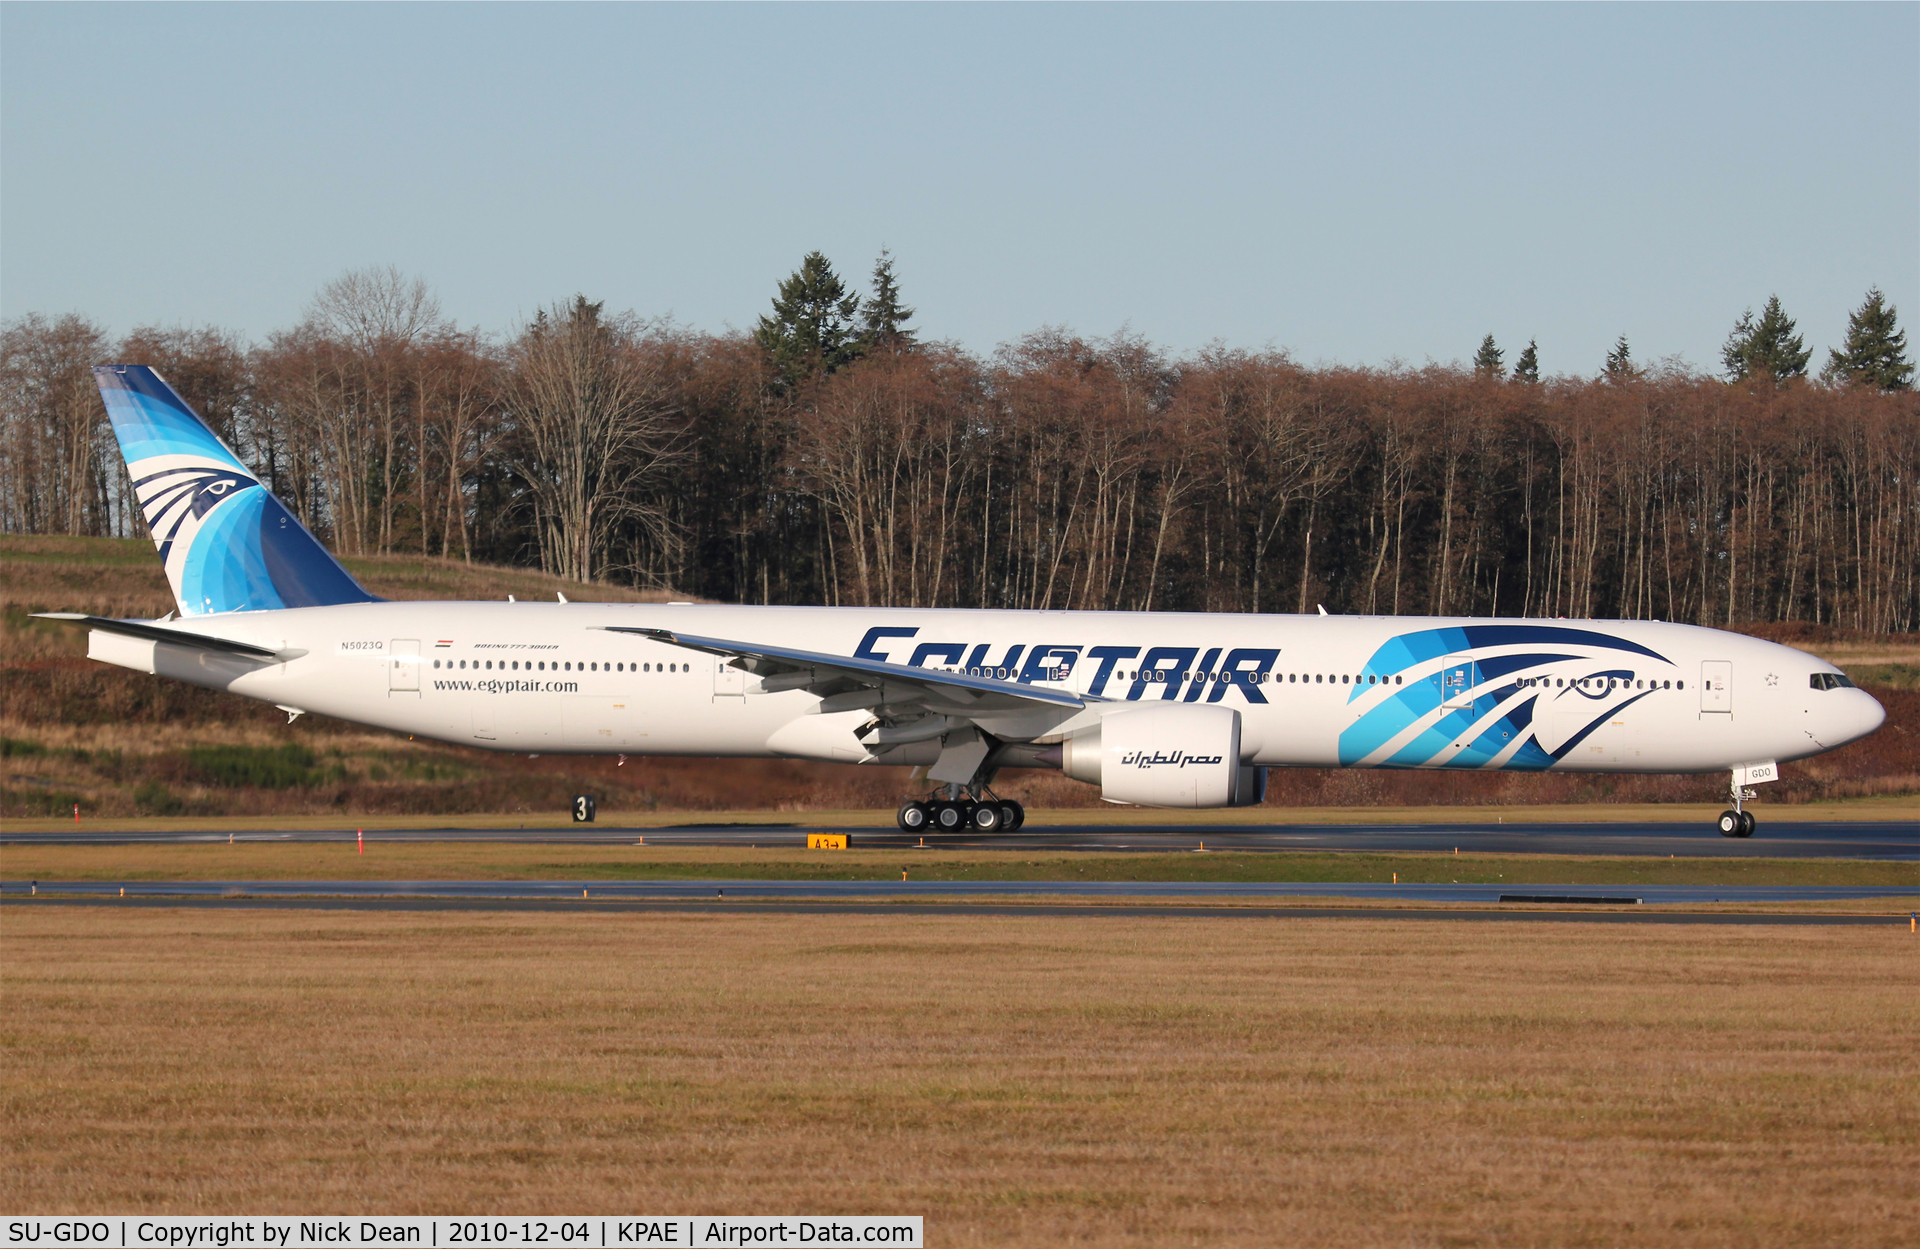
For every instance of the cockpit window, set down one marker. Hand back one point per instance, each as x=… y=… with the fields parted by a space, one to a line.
x=1830 y=681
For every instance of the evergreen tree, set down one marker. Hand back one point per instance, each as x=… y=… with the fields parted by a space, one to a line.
x=1733 y=354
x=1527 y=367
x=1769 y=345
x=1875 y=353
x=811 y=329
x=1619 y=367
x=1487 y=362
x=886 y=317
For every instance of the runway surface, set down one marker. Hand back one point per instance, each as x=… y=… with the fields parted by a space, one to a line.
x=911 y=890
x=606 y=905
x=1864 y=839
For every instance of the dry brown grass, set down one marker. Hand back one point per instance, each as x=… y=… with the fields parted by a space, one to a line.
x=123 y=577
x=1112 y=1081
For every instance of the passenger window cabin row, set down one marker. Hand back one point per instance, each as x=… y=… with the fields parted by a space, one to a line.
x=561 y=665
x=1161 y=676
x=1819 y=680
x=1601 y=683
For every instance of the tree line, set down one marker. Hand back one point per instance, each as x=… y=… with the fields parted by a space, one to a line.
x=833 y=454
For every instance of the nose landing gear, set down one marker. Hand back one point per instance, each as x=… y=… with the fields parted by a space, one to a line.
x=1738 y=822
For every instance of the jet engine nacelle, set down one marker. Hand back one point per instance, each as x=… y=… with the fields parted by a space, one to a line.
x=1170 y=755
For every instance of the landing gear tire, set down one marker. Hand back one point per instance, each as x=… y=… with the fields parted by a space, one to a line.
x=1012 y=816
x=987 y=818
x=1733 y=824
x=949 y=817
x=912 y=817
x=1748 y=824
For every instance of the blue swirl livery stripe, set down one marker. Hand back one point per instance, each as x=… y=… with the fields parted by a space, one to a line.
x=1596 y=722
x=227 y=544
x=222 y=567
x=1412 y=649
x=1500 y=733
x=1487 y=727
x=1409 y=704
x=150 y=420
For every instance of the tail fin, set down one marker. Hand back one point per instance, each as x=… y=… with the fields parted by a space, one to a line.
x=227 y=544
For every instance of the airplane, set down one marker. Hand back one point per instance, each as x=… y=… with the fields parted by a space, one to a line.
x=1175 y=710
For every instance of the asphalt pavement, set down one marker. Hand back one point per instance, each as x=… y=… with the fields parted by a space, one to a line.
x=1790 y=839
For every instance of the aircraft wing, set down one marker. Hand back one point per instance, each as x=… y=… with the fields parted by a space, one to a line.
x=846 y=683
x=160 y=633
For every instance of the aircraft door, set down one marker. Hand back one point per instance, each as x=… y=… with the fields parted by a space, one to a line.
x=729 y=681
x=403 y=666
x=1457 y=682
x=1716 y=685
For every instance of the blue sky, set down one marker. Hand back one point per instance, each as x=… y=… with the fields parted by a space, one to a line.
x=1358 y=184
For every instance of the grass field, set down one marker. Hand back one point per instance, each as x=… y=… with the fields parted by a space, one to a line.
x=123 y=577
x=1016 y=1080
x=485 y=861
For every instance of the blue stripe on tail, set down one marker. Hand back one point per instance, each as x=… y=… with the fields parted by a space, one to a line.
x=226 y=542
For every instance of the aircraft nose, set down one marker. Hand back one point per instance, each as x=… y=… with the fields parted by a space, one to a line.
x=1860 y=715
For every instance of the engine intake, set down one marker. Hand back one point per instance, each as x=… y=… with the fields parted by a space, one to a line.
x=1172 y=755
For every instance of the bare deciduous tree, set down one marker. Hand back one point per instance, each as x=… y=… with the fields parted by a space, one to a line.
x=382 y=320
x=60 y=456
x=589 y=423
x=1060 y=472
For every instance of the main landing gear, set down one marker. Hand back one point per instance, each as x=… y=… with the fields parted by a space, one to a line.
x=955 y=808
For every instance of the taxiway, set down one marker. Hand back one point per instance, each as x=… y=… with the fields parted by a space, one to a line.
x=1785 y=839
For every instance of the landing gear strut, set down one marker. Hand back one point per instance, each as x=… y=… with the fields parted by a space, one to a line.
x=1738 y=821
x=956 y=808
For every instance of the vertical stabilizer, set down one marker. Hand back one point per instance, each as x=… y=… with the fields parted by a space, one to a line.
x=227 y=544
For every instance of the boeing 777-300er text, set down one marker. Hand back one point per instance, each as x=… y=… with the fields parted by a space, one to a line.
x=1160 y=709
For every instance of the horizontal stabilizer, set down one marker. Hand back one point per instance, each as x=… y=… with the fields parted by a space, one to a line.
x=177 y=637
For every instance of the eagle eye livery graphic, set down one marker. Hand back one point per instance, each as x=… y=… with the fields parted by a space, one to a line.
x=1162 y=709
x=1481 y=707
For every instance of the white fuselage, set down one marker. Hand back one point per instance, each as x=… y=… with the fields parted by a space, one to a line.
x=1313 y=691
